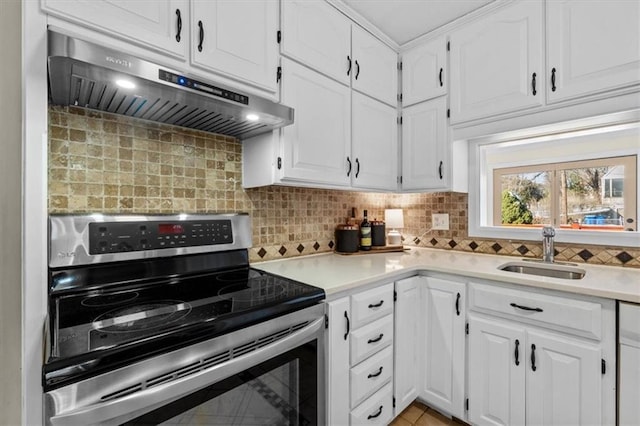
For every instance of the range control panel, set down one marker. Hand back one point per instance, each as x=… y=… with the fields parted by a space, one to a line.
x=119 y=237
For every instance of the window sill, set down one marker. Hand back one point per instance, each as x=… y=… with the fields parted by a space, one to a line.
x=599 y=238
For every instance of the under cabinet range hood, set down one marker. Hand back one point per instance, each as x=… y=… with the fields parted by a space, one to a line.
x=88 y=75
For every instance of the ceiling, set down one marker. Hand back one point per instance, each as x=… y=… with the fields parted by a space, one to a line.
x=404 y=20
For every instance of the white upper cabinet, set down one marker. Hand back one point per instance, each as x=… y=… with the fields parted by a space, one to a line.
x=497 y=63
x=237 y=39
x=375 y=67
x=424 y=72
x=374 y=146
x=317 y=35
x=592 y=47
x=424 y=146
x=162 y=25
x=317 y=146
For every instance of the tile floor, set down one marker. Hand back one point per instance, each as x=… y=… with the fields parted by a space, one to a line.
x=419 y=414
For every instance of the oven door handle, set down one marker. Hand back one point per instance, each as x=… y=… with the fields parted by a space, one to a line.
x=128 y=407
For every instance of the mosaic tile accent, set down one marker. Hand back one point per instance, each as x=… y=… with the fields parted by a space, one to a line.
x=114 y=164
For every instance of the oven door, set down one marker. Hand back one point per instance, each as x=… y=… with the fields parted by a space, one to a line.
x=271 y=373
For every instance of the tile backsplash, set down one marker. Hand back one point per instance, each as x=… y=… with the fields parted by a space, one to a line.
x=114 y=164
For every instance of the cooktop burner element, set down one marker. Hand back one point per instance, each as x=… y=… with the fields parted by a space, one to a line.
x=109 y=299
x=142 y=317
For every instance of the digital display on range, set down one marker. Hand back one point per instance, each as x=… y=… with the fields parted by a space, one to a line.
x=170 y=229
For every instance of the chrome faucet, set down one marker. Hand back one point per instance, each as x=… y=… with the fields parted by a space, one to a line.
x=547 y=243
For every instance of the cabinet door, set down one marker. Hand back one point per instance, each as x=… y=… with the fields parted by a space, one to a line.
x=592 y=46
x=565 y=388
x=496 y=375
x=425 y=155
x=493 y=61
x=337 y=346
x=315 y=148
x=444 y=345
x=629 y=385
x=374 y=144
x=163 y=25
x=237 y=39
x=375 y=67
x=406 y=347
x=424 y=72
x=317 y=35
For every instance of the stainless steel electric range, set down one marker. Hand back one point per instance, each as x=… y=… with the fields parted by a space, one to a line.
x=160 y=320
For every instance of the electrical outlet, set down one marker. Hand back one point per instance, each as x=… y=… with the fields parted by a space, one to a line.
x=440 y=221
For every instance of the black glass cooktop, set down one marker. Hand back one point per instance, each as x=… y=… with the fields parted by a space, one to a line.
x=98 y=328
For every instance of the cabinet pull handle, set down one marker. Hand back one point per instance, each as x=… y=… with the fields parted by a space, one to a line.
x=533 y=357
x=376 y=374
x=349 y=59
x=357 y=69
x=553 y=79
x=373 y=416
x=525 y=308
x=440 y=77
x=357 y=166
x=377 y=339
x=179 y=21
x=349 y=163
x=201 y=36
x=458 y=304
x=440 y=170
x=377 y=305
x=533 y=84
x=348 y=325
x=517 y=353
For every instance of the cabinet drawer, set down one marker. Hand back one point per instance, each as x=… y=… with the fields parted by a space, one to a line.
x=571 y=316
x=371 y=338
x=370 y=375
x=377 y=410
x=371 y=304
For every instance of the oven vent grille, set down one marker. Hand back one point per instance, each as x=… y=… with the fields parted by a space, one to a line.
x=205 y=362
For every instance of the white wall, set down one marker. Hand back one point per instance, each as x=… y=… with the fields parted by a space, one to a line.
x=10 y=213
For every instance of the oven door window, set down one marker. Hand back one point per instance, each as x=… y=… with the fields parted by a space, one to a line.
x=280 y=391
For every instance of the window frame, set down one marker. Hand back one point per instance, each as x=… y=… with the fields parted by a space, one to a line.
x=630 y=177
x=561 y=141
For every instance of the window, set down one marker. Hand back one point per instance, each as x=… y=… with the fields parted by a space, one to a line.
x=582 y=195
x=582 y=182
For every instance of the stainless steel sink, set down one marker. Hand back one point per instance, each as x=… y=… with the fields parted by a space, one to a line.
x=552 y=270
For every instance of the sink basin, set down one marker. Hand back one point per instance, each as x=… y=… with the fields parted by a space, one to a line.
x=544 y=269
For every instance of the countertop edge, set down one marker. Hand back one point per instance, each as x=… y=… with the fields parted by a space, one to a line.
x=492 y=274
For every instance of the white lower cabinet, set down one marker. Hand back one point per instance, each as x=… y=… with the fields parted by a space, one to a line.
x=443 y=316
x=496 y=372
x=629 y=367
x=430 y=343
x=521 y=370
x=360 y=358
x=484 y=352
x=406 y=346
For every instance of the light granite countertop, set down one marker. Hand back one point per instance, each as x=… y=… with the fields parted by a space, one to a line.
x=339 y=275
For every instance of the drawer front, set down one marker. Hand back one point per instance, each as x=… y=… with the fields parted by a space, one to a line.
x=377 y=410
x=371 y=375
x=371 y=304
x=371 y=338
x=568 y=315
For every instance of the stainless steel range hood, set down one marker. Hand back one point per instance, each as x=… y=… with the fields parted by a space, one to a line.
x=92 y=76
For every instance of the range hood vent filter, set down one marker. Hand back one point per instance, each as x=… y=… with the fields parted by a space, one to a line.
x=90 y=76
